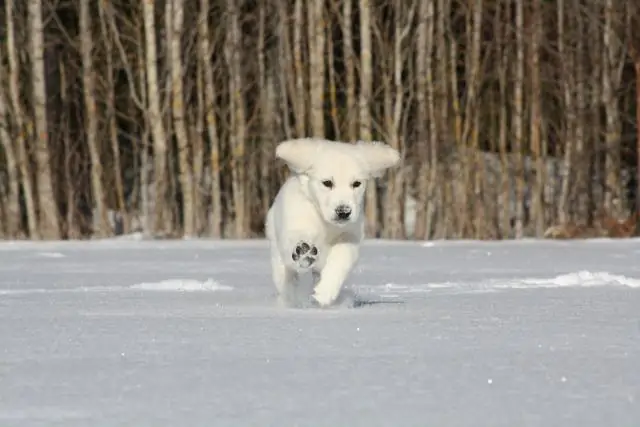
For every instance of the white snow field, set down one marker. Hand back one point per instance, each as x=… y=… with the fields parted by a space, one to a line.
x=188 y=333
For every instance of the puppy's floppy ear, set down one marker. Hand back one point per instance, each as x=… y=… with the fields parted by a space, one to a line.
x=299 y=154
x=378 y=156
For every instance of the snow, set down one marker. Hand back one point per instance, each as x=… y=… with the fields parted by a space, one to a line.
x=455 y=333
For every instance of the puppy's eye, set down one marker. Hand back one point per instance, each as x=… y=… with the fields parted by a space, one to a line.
x=356 y=184
x=327 y=183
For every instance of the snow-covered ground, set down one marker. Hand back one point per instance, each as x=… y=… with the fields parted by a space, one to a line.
x=187 y=333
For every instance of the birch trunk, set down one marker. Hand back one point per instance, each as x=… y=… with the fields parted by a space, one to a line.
x=215 y=222
x=349 y=57
x=12 y=207
x=177 y=97
x=197 y=135
x=91 y=120
x=394 y=226
x=580 y=184
x=155 y=121
x=611 y=74
x=238 y=121
x=267 y=112
x=316 y=42
x=503 y=67
x=423 y=55
x=518 y=120
x=536 y=120
x=111 y=118
x=19 y=119
x=366 y=88
x=48 y=212
x=301 y=91
x=567 y=61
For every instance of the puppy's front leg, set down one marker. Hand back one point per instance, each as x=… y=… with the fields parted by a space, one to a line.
x=340 y=260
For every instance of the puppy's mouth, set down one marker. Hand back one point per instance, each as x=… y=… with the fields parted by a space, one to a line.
x=341 y=221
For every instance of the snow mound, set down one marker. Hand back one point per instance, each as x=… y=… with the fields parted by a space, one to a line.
x=585 y=278
x=182 y=285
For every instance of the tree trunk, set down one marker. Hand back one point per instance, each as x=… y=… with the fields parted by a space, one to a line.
x=91 y=120
x=316 y=42
x=582 y=156
x=155 y=121
x=238 y=121
x=423 y=72
x=568 y=137
x=285 y=80
x=111 y=118
x=536 y=120
x=471 y=131
x=394 y=226
x=215 y=222
x=349 y=57
x=301 y=92
x=366 y=88
x=503 y=133
x=178 y=110
x=197 y=135
x=49 y=227
x=19 y=119
x=333 y=97
x=518 y=120
x=267 y=112
x=613 y=125
x=12 y=207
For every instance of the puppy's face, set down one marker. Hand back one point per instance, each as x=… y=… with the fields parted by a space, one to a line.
x=336 y=173
x=338 y=184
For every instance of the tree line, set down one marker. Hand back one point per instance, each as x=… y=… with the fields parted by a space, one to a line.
x=162 y=116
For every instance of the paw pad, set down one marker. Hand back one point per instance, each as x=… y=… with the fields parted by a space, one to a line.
x=305 y=254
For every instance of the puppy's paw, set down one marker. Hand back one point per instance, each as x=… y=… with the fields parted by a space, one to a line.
x=304 y=254
x=325 y=297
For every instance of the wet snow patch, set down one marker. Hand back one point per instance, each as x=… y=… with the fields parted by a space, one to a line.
x=187 y=285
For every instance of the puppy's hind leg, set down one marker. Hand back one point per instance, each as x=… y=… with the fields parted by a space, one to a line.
x=285 y=280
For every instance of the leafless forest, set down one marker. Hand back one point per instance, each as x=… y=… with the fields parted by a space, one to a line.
x=162 y=117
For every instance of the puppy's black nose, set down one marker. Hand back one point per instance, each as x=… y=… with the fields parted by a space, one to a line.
x=343 y=212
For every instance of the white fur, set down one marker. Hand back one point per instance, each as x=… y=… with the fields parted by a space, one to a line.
x=304 y=210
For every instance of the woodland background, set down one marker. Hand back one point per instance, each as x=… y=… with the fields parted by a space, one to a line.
x=162 y=117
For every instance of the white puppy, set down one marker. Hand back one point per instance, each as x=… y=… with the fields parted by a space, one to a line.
x=316 y=222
